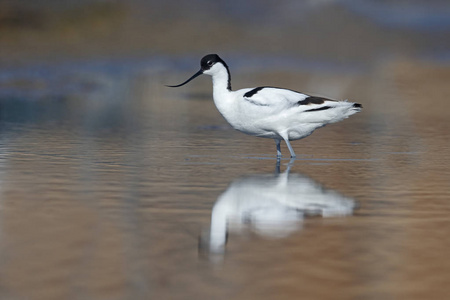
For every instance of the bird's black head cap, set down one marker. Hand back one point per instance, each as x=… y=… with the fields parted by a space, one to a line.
x=210 y=60
x=207 y=62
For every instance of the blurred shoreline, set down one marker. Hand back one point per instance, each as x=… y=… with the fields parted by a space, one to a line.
x=336 y=31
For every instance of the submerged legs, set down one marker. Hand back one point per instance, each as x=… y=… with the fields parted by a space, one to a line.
x=286 y=139
x=278 y=142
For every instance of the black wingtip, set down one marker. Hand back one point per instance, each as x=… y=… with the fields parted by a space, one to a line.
x=357 y=105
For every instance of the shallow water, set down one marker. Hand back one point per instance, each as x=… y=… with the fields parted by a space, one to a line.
x=115 y=187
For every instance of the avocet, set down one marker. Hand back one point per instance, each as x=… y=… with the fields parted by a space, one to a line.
x=270 y=112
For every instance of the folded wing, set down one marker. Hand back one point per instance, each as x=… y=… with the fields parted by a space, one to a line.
x=272 y=96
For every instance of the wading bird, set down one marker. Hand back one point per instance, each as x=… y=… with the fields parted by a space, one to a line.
x=270 y=112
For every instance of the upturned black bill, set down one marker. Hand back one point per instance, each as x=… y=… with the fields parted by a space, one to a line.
x=193 y=76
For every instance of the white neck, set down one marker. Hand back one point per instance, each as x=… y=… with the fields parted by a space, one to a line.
x=220 y=79
x=221 y=91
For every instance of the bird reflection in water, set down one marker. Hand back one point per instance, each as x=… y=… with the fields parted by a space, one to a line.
x=272 y=205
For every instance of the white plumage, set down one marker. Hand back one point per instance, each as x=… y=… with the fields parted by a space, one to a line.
x=271 y=112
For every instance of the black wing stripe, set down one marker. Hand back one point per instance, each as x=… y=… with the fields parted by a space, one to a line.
x=252 y=92
x=313 y=100
x=317 y=109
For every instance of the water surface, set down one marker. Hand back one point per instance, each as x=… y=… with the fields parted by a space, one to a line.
x=115 y=187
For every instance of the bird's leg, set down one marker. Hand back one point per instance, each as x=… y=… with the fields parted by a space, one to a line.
x=278 y=142
x=286 y=139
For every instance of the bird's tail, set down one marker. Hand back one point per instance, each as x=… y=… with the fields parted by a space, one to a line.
x=357 y=106
x=345 y=109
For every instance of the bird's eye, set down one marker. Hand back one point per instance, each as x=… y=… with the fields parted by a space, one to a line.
x=209 y=63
